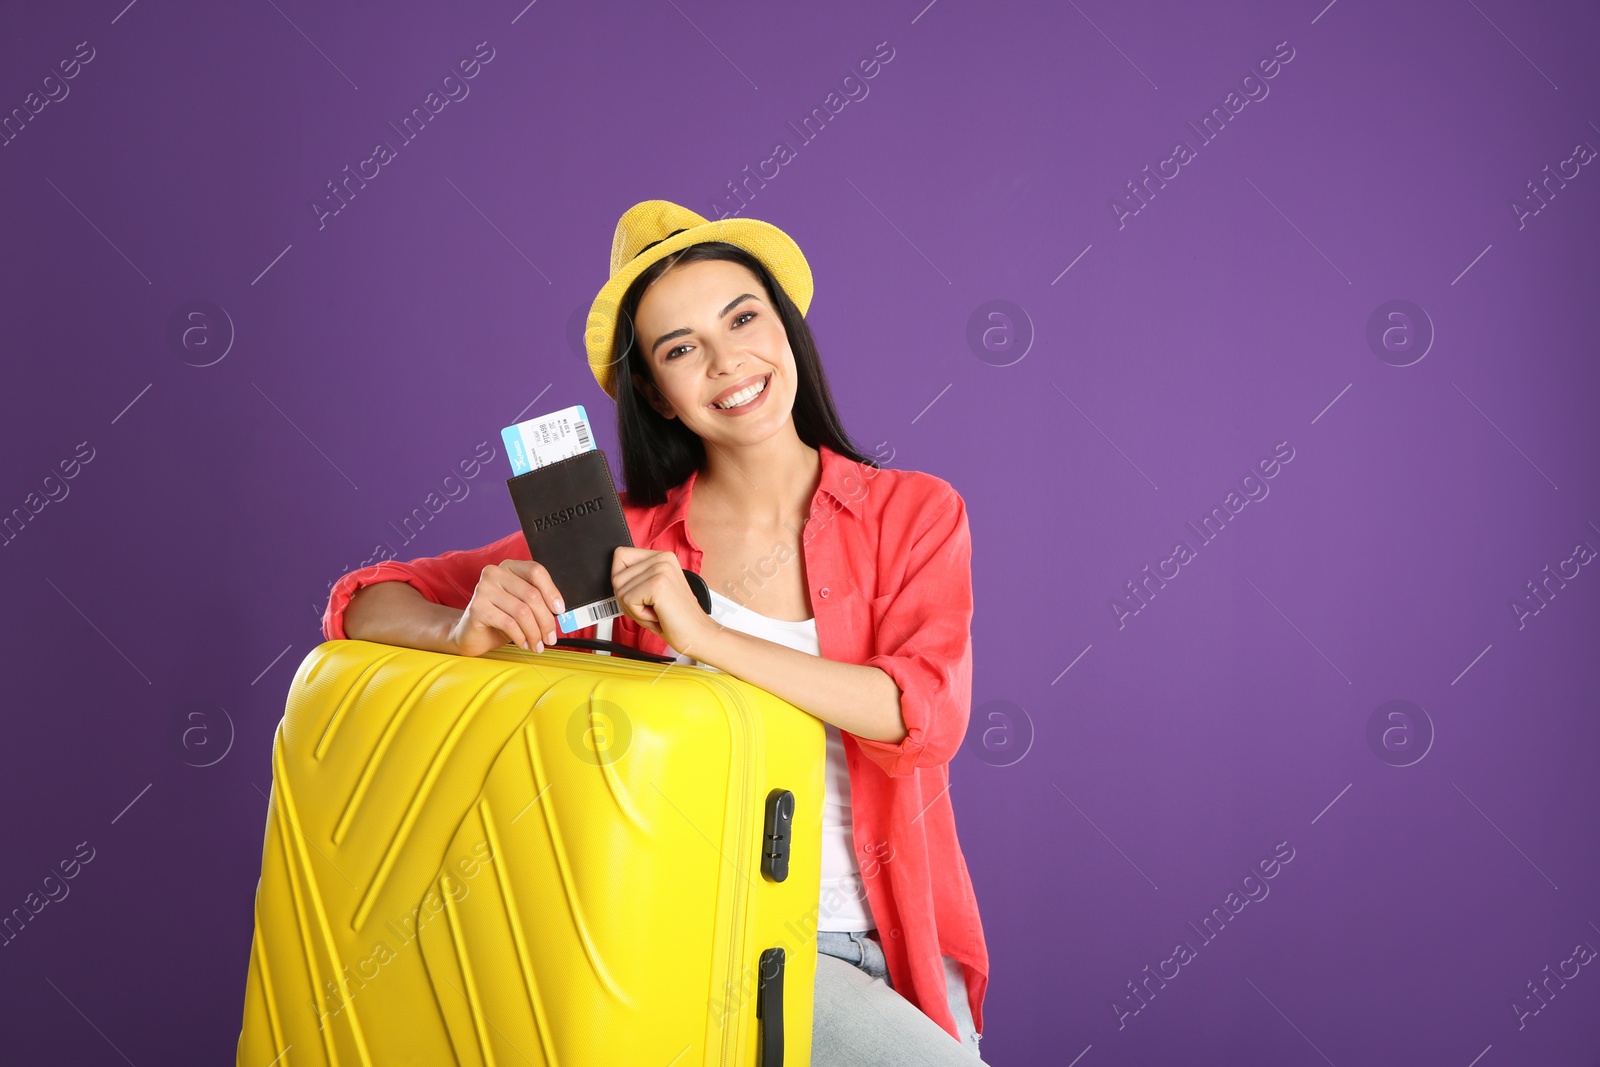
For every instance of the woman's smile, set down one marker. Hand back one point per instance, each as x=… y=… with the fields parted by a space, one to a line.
x=745 y=397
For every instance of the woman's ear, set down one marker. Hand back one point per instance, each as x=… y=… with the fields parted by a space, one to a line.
x=653 y=396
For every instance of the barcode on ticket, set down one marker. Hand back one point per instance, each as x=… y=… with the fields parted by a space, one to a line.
x=589 y=615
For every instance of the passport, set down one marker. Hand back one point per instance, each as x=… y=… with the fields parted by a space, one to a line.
x=573 y=521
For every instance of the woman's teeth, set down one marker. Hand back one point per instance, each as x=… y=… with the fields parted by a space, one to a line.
x=744 y=396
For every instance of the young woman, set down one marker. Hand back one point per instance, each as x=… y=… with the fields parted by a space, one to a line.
x=840 y=586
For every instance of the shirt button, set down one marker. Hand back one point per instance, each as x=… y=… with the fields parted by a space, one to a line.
x=824 y=592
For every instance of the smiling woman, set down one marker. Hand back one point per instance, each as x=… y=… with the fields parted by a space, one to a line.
x=841 y=587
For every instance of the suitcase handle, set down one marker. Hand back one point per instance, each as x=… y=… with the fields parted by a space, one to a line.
x=616 y=648
x=769 y=1008
x=702 y=595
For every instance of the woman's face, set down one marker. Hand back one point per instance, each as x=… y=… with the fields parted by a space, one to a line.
x=710 y=334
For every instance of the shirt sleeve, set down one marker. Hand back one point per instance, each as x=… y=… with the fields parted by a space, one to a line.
x=448 y=579
x=924 y=642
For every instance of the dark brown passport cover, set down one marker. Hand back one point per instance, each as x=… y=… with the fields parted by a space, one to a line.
x=573 y=521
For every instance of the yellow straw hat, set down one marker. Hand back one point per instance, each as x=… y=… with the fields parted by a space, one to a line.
x=652 y=229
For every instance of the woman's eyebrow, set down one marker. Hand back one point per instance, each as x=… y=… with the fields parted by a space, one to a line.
x=683 y=330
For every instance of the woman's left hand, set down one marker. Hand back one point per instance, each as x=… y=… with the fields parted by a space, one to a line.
x=652 y=591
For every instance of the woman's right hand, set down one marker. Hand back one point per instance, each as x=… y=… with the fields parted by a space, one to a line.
x=515 y=601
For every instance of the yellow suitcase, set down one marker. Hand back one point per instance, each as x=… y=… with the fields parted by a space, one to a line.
x=551 y=859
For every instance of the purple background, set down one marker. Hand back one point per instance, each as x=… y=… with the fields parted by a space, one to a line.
x=155 y=616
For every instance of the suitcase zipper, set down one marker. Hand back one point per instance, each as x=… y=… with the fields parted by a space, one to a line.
x=741 y=904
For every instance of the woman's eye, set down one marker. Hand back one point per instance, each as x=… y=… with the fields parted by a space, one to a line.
x=738 y=320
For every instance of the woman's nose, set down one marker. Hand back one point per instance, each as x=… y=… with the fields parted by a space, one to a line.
x=726 y=357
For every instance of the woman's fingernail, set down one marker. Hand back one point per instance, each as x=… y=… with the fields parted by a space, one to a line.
x=538 y=646
x=524 y=644
x=560 y=606
x=550 y=637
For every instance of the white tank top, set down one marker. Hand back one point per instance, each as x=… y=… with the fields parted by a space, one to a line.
x=843 y=903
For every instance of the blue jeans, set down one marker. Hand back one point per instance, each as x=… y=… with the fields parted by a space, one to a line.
x=859 y=1020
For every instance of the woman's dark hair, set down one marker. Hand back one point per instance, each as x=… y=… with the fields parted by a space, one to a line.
x=659 y=453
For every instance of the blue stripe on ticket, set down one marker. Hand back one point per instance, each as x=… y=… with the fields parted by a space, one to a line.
x=514 y=450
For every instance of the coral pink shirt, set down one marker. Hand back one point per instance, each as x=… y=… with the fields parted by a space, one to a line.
x=888 y=561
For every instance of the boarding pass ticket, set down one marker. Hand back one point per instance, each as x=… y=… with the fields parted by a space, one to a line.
x=542 y=441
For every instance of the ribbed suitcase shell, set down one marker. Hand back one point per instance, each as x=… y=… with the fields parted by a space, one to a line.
x=451 y=874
